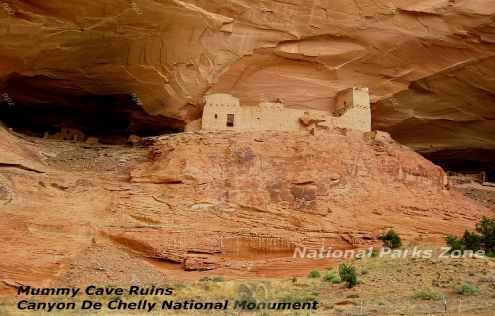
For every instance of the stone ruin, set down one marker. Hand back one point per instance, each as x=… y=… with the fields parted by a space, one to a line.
x=66 y=133
x=469 y=177
x=73 y=134
x=224 y=112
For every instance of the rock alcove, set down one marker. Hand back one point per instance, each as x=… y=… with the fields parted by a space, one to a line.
x=466 y=161
x=37 y=109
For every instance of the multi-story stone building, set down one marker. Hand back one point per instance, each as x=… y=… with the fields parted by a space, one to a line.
x=224 y=112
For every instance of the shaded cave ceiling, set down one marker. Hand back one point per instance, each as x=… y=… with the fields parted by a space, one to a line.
x=429 y=66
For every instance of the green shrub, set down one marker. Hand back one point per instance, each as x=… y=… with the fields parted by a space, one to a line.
x=204 y=279
x=486 y=228
x=218 y=279
x=467 y=289
x=314 y=274
x=428 y=295
x=336 y=280
x=455 y=243
x=391 y=240
x=365 y=271
x=472 y=241
x=348 y=274
x=180 y=285
x=328 y=277
x=331 y=277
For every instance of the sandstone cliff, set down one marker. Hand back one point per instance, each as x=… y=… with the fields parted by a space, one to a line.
x=235 y=203
x=171 y=53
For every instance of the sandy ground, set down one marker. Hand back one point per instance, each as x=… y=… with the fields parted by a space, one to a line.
x=387 y=286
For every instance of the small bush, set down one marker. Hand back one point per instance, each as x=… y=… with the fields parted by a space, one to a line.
x=348 y=274
x=365 y=271
x=218 y=279
x=391 y=240
x=331 y=277
x=486 y=229
x=375 y=253
x=328 y=277
x=467 y=289
x=336 y=280
x=455 y=243
x=474 y=242
x=428 y=295
x=180 y=285
x=314 y=274
x=469 y=241
x=204 y=279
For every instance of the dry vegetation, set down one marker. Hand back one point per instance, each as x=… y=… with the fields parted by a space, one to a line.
x=386 y=286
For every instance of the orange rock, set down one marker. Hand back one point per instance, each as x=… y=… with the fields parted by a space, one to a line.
x=213 y=201
x=420 y=59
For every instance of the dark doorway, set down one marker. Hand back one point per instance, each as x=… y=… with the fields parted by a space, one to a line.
x=230 y=120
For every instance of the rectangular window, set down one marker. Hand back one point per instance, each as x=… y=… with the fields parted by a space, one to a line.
x=230 y=120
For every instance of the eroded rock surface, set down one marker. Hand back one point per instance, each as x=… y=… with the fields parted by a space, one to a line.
x=448 y=116
x=232 y=203
x=170 y=53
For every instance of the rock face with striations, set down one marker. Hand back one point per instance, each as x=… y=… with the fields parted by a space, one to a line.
x=237 y=204
x=171 y=53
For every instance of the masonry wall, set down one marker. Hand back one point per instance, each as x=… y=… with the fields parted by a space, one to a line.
x=343 y=102
x=216 y=109
x=266 y=116
x=274 y=116
x=465 y=177
x=357 y=115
